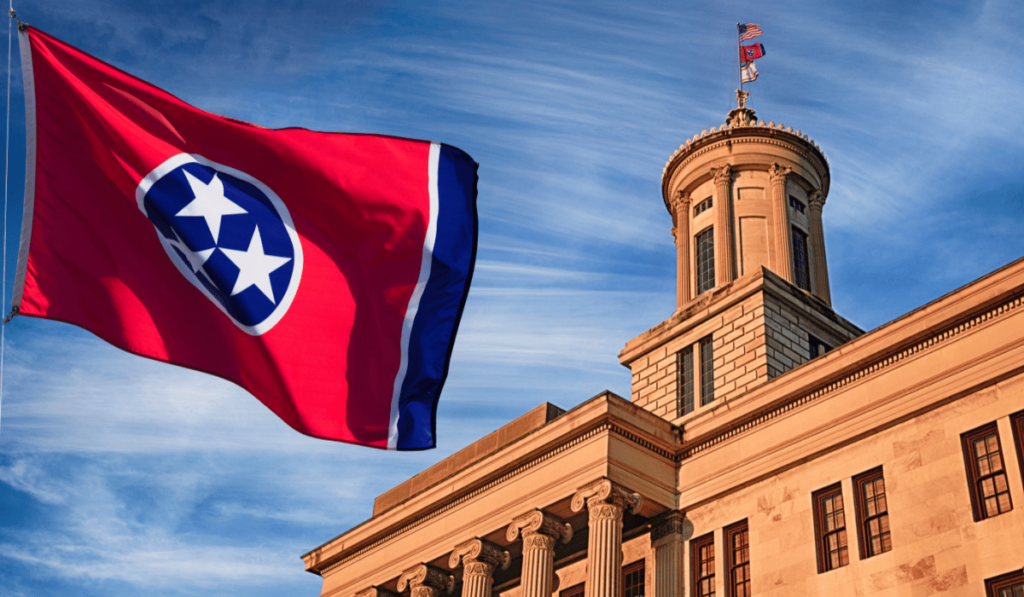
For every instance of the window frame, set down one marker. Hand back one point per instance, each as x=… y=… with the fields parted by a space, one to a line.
x=1017 y=423
x=861 y=510
x=705 y=541
x=685 y=402
x=728 y=535
x=797 y=204
x=703 y=206
x=974 y=476
x=637 y=566
x=707 y=369
x=704 y=278
x=801 y=259
x=1003 y=581
x=813 y=344
x=820 y=533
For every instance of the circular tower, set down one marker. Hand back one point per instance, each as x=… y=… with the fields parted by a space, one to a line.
x=743 y=196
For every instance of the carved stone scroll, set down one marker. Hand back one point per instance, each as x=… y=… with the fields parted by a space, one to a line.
x=539 y=531
x=425 y=580
x=479 y=560
x=606 y=502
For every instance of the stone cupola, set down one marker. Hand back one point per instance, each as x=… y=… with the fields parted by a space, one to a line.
x=754 y=192
x=752 y=291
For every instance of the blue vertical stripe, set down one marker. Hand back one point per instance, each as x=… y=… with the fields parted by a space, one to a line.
x=440 y=310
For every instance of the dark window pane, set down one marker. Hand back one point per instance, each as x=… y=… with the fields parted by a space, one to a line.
x=684 y=379
x=800 y=271
x=707 y=372
x=705 y=258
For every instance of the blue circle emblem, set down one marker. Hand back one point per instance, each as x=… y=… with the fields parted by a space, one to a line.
x=229 y=234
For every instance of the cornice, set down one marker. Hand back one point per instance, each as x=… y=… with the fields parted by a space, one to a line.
x=725 y=135
x=691 y=448
x=608 y=422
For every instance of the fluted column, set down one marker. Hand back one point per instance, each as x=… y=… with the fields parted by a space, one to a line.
x=780 y=208
x=605 y=501
x=479 y=560
x=667 y=541
x=424 y=580
x=681 y=232
x=539 y=530
x=820 y=269
x=723 y=226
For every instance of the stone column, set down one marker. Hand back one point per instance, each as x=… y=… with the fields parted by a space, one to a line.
x=540 y=530
x=605 y=501
x=667 y=541
x=681 y=232
x=479 y=560
x=425 y=580
x=820 y=267
x=723 y=226
x=780 y=208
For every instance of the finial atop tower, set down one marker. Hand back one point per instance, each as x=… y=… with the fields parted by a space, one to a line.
x=741 y=116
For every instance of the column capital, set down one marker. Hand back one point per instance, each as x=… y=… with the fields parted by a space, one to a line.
x=425 y=580
x=778 y=173
x=606 y=492
x=539 y=522
x=722 y=175
x=667 y=523
x=479 y=551
x=681 y=201
x=376 y=591
x=817 y=200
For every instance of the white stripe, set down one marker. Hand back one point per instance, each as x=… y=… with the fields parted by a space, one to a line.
x=30 y=166
x=417 y=293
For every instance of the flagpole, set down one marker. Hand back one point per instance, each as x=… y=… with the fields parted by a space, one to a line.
x=739 y=64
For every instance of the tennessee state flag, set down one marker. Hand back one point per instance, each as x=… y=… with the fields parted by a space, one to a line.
x=324 y=273
x=751 y=52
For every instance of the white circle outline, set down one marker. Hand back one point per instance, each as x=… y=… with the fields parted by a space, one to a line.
x=282 y=211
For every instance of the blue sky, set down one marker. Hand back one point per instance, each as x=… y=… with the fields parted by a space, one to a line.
x=120 y=476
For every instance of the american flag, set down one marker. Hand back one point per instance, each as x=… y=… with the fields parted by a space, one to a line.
x=749 y=31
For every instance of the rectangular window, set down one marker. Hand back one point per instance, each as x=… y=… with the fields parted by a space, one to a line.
x=1007 y=585
x=684 y=381
x=796 y=204
x=872 y=513
x=707 y=372
x=573 y=591
x=1017 y=422
x=990 y=493
x=705 y=241
x=702 y=207
x=816 y=347
x=830 y=528
x=737 y=559
x=633 y=580
x=800 y=272
x=702 y=566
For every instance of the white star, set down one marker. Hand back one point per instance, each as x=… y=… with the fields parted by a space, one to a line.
x=196 y=259
x=210 y=203
x=255 y=266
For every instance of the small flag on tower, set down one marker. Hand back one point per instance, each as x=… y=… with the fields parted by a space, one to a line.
x=749 y=31
x=751 y=52
x=748 y=72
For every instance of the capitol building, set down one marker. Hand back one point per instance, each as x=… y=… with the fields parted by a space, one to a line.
x=768 y=446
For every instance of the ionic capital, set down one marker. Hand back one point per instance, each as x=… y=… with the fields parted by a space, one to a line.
x=817 y=200
x=479 y=551
x=778 y=173
x=539 y=522
x=722 y=175
x=425 y=580
x=605 y=493
x=669 y=523
x=376 y=591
